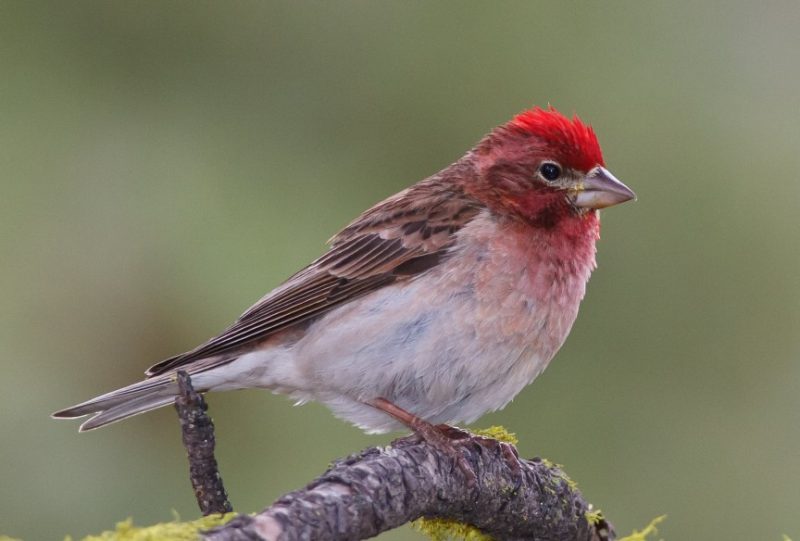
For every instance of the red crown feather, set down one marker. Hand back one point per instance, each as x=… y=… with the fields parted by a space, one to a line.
x=573 y=140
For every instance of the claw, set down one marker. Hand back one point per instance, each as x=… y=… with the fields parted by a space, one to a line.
x=509 y=454
x=450 y=440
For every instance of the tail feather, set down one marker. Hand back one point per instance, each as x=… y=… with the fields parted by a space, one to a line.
x=123 y=403
x=128 y=409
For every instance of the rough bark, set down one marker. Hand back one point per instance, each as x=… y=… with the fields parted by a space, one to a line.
x=197 y=430
x=383 y=488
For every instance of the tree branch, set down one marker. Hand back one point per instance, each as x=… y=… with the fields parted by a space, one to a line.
x=383 y=488
x=197 y=430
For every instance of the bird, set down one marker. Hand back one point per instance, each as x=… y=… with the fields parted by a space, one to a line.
x=433 y=307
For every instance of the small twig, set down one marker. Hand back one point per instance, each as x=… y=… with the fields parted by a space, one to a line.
x=383 y=488
x=198 y=439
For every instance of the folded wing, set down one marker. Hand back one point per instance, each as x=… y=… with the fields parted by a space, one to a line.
x=397 y=239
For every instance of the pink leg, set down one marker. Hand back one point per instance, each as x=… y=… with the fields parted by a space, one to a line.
x=447 y=438
x=438 y=437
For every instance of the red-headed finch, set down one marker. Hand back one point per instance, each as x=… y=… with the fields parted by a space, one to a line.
x=436 y=305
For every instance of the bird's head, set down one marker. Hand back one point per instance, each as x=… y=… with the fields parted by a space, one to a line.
x=543 y=167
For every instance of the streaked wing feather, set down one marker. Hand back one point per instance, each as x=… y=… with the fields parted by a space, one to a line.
x=401 y=237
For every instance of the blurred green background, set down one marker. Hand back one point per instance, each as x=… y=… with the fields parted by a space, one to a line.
x=165 y=164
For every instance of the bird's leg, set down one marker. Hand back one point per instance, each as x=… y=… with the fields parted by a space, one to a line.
x=433 y=434
x=447 y=438
x=455 y=433
x=441 y=437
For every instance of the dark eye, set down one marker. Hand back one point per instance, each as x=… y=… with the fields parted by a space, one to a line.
x=550 y=171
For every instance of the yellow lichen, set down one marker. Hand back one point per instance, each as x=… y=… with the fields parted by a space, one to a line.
x=166 y=531
x=499 y=433
x=440 y=529
x=550 y=464
x=649 y=530
x=558 y=472
x=594 y=516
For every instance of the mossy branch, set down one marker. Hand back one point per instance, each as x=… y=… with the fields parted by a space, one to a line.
x=383 y=488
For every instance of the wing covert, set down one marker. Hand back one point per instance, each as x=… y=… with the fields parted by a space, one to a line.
x=397 y=239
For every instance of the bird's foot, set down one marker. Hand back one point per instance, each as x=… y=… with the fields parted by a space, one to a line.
x=443 y=438
x=508 y=452
x=452 y=441
x=449 y=441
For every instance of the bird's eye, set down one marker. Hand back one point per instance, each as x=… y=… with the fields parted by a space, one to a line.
x=550 y=171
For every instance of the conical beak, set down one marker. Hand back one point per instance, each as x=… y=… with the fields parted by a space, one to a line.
x=601 y=189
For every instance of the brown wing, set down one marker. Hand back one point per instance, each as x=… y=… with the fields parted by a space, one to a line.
x=403 y=236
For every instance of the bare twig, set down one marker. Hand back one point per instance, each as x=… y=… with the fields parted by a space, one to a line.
x=383 y=488
x=198 y=439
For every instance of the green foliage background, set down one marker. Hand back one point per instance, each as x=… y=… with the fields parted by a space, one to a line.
x=165 y=164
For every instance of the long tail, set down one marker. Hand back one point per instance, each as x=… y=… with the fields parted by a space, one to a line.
x=132 y=400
